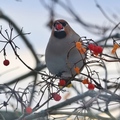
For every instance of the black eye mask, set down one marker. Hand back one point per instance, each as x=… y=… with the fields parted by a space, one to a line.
x=63 y=23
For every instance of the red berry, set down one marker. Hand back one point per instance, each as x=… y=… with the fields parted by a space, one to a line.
x=62 y=83
x=91 y=46
x=91 y=86
x=28 y=110
x=56 y=96
x=98 y=49
x=6 y=62
x=59 y=26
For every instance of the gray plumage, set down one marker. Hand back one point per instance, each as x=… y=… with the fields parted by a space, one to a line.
x=61 y=55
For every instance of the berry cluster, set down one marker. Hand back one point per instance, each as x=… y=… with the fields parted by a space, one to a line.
x=95 y=49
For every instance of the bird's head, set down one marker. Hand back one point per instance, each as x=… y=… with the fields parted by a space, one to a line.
x=61 y=29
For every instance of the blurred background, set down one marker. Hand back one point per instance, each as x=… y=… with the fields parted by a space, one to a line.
x=93 y=19
x=35 y=16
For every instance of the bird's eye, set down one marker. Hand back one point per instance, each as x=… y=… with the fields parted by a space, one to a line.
x=64 y=23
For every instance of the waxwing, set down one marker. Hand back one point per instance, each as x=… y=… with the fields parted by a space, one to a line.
x=61 y=55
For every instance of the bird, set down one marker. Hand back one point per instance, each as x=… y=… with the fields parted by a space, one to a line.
x=60 y=55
